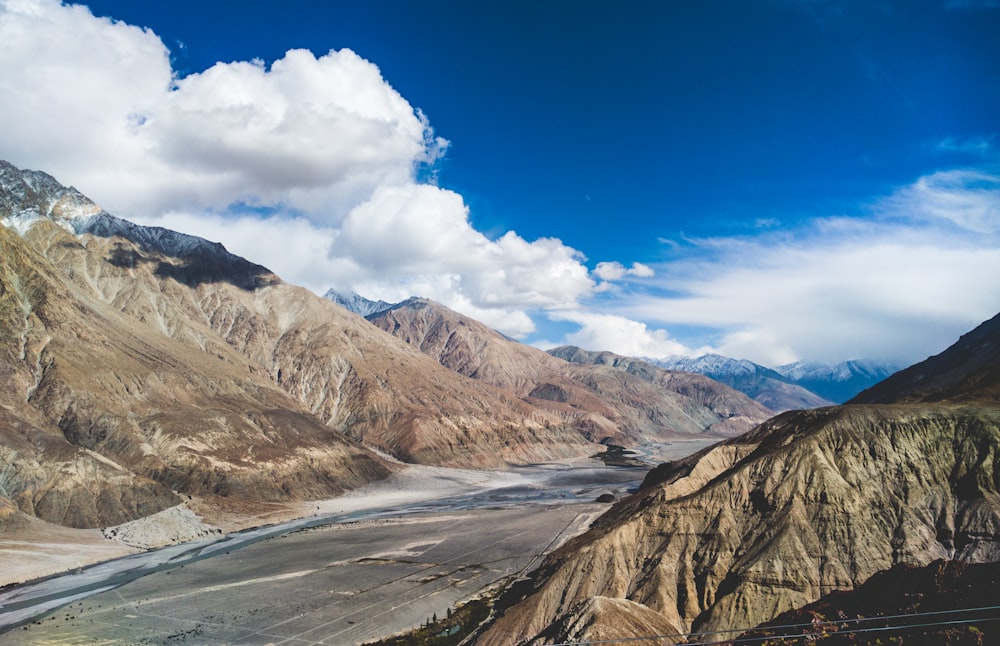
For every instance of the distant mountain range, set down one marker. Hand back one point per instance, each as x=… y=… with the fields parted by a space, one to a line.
x=789 y=387
x=837 y=382
x=765 y=385
x=604 y=403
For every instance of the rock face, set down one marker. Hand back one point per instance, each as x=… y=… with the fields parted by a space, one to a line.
x=606 y=401
x=808 y=502
x=138 y=362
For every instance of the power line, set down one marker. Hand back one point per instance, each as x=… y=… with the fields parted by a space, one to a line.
x=813 y=624
x=853 y=631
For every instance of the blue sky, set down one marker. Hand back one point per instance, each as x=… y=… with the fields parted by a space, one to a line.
x=775 y=180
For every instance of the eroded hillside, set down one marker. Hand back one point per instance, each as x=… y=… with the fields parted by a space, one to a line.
x=807 y=503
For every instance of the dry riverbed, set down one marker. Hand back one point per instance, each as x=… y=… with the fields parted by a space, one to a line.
x=430 y=538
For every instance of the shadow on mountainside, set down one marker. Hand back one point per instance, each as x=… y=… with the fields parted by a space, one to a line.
x=208 y=263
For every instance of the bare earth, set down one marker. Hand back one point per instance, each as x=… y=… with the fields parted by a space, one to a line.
x=341 y=584
x=336 y=584
x=41 y=549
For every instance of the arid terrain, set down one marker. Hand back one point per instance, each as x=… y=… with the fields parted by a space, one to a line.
x=805 y=504
x=247 y=462
x=389 y=558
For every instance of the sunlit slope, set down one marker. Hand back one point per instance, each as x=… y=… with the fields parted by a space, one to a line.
x=808 y=502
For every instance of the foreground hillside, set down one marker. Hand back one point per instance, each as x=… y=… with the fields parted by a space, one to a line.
x=945 y=603
x=809 y=502
x=605 y=401
x=138 y=364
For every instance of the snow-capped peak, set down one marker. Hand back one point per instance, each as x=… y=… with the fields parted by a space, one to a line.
x=356 y=303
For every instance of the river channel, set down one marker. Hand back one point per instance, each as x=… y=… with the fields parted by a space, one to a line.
x=330 y=578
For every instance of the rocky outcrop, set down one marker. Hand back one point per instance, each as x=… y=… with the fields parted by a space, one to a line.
x=807 y=503
x=606 y=401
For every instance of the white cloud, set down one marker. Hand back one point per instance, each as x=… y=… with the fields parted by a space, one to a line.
x=900 y=287
x=982 y=146
x=618 y=334
x=969 y=200
x=324 y=145
x=330 y=151
x=97 y=101
x=418 y=237
x=612 y=271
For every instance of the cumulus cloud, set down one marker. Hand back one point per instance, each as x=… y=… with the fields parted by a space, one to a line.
x=97 y=101
x=618 y=334
x=614 y=270
x=323 y=145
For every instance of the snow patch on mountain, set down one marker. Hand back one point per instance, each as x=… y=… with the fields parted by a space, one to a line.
x=356 y=303
x=837 y=382
x=29 y=196
x=713 y=365
x=842 y=371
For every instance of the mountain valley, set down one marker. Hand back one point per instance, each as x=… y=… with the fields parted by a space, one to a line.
x=147 y=374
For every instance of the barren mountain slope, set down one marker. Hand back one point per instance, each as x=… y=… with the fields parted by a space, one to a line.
x=934 y=604
x=139 y=361
x=605 y=403
x=355 y=378
x=968 y=371
x=809 y=502
x=103 y=417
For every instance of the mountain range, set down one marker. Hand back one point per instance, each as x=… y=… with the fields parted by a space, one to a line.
x=807 y=503
x=605 y=403
x=142 y=366
x=788 y=387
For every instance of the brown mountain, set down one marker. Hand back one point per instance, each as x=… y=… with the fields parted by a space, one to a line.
x=807 y=503
x=139 y=363
x=968 y=371
x=737 y=412
x=605 y=400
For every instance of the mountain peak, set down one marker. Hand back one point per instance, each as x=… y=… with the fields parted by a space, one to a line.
x=356 y=303
x=27 y=196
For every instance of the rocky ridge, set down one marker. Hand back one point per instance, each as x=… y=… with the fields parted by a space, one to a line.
x=807 y=503
x=603 y=401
